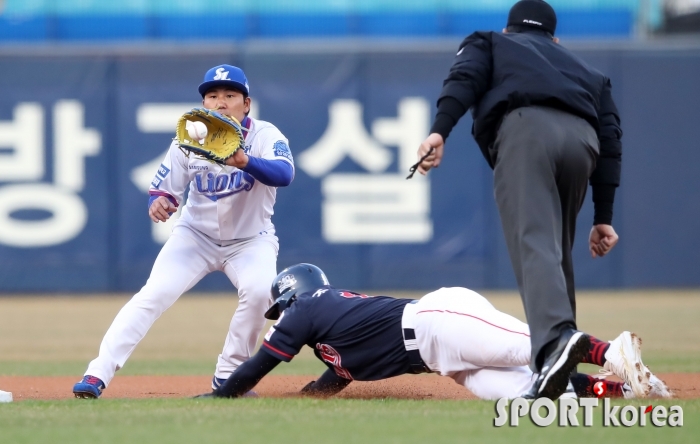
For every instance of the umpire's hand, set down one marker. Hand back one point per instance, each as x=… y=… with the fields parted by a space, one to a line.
x=436 y=141
x=602 y=239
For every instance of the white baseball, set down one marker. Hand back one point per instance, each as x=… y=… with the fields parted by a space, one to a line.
x=197 y=130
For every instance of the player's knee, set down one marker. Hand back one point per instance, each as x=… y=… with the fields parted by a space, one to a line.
x=256 y=295
x=155 y=297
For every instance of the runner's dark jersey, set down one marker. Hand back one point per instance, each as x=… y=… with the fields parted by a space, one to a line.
x=357 y=336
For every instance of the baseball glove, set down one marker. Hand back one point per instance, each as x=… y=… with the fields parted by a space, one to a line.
x=224 y=134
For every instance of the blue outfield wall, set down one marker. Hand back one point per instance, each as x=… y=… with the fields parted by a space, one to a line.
x=615 y=22
x=81 y=137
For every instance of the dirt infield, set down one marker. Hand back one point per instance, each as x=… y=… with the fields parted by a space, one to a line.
x=684 y=386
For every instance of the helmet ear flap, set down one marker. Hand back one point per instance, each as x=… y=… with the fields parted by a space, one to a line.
x=282 y=303
x=287 y=303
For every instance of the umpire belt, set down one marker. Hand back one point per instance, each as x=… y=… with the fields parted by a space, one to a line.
x=409 y=339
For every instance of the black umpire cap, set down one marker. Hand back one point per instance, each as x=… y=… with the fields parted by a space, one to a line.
x=533 y=13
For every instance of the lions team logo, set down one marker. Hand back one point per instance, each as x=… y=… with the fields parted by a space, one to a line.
x=282 y=150
x=215 y=186
x=287 y=282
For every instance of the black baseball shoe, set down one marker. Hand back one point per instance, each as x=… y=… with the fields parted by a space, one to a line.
x=568 y=352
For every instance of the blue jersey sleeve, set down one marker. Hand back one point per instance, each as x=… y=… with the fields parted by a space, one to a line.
x=289 y=334
x=273 y=173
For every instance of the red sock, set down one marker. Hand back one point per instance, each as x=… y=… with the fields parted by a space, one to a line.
x=614 y=389
x=583 y=384
x=596 y=354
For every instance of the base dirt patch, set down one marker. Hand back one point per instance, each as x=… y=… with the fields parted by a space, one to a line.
x=683 y=385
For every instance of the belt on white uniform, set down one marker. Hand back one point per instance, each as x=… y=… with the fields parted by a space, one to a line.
x=416 y=363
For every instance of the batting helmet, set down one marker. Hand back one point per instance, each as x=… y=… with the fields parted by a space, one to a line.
x=293 y=281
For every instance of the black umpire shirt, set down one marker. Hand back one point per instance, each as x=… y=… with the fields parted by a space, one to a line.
x=494 y=73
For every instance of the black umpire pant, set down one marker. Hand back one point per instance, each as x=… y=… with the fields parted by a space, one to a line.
x=544 y=158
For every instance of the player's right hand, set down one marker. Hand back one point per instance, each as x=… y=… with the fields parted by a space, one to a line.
x=435 y=141
x=160 y=209
x=239 y=159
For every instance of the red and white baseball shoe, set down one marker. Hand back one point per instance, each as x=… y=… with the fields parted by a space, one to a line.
x=624 y=360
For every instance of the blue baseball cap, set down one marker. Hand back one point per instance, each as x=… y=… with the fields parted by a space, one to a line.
x=225 y=75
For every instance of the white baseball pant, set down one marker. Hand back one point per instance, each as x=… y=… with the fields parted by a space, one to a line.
x=188 y=256
x=461 y=335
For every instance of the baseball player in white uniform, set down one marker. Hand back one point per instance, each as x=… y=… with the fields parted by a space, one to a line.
x=226 y=225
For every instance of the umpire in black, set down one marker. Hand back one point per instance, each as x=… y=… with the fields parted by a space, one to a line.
x=546 y=123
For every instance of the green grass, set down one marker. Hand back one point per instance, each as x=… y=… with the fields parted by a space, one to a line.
x=252 y=421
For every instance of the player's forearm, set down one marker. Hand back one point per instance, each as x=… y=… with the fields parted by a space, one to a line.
x=273 y=173
x=327 y=385
x=247 y=375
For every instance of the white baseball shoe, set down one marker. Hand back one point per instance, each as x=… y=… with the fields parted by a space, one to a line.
x=627 y=392
x=658 y=389
x=624 y=360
